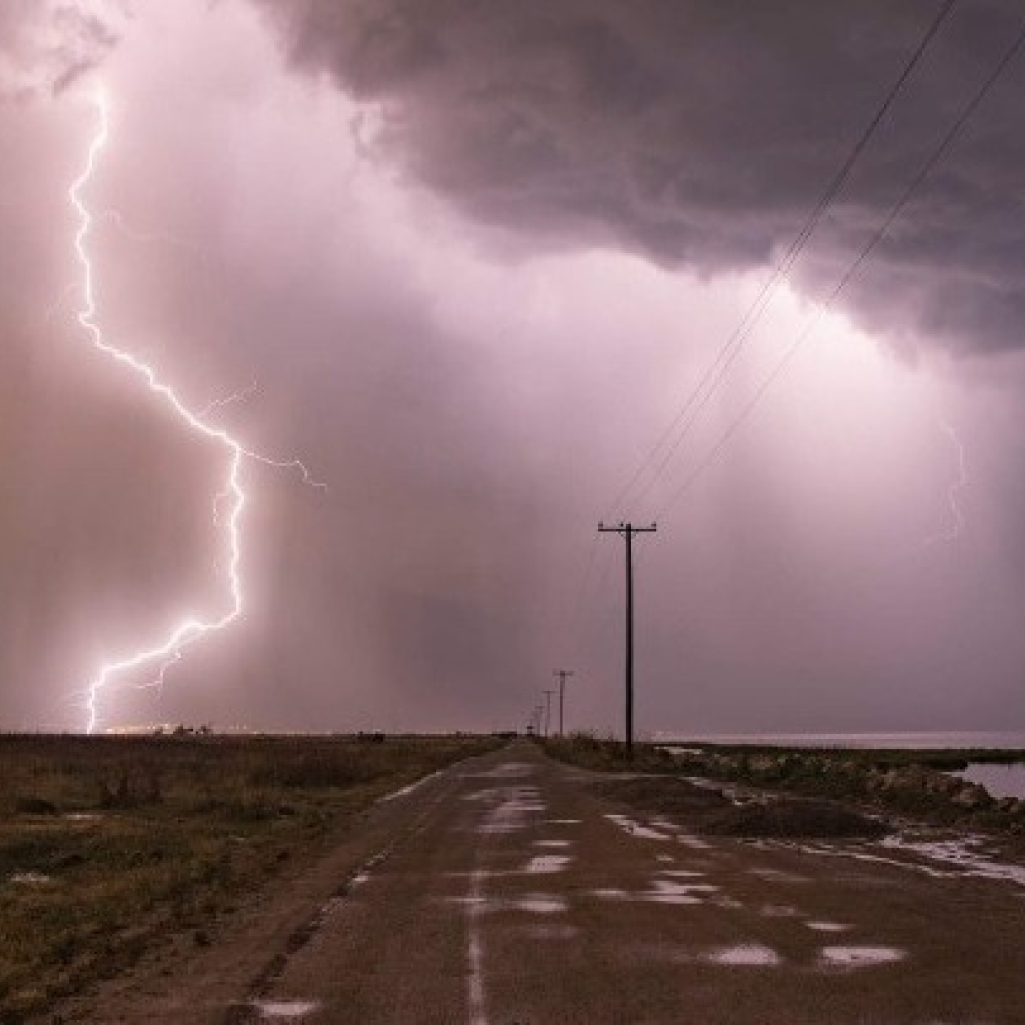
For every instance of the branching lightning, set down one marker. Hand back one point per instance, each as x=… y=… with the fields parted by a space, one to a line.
x=166 y=652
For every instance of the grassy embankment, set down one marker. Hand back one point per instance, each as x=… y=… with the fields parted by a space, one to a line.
x=902 y=782
x=108 y=843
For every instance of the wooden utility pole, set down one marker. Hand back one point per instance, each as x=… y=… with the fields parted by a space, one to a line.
x=562 y=674
x=627 y=531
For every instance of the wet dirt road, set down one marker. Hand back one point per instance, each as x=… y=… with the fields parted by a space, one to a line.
x=504 y=890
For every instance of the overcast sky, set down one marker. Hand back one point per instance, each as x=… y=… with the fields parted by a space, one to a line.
x=469 y=262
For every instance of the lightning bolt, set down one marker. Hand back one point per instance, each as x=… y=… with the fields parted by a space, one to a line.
x=958 y=484
x=167 y=651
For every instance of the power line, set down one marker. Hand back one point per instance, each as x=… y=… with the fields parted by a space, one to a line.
x=895 y=211
x=729 y=352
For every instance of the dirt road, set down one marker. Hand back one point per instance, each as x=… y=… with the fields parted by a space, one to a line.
x=506 y=891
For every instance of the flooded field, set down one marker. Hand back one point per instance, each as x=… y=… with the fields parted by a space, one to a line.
x=999 y=780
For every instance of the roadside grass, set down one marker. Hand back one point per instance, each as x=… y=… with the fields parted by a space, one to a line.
x=900 y=782
x=599 y=755
x=109 y=842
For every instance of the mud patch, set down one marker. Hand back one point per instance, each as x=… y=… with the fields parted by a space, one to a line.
x=664 y=794
x=711 y=812
x=791 y=818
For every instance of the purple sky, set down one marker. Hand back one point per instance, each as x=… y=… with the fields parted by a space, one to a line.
x=475 y=257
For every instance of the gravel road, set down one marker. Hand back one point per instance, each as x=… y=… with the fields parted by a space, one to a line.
x=506 y=890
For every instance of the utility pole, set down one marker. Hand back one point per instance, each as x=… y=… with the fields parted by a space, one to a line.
x=627 y=531
x=548 y=713
x=562 y=674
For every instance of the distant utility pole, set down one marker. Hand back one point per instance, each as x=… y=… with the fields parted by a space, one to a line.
x=627 y=531
x=548 y=713
x=562 y=674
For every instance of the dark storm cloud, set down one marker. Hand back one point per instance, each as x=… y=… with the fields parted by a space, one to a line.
x=700 y=134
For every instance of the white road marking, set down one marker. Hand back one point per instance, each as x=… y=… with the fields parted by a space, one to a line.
x=475 y=953
x=409 y=789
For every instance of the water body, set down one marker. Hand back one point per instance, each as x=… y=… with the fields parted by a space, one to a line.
x=1009 y=740
x=999 y=780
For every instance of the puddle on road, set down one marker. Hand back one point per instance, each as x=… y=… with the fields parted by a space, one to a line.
x=662 y=891
x=826 y=851
x=610 y=893
x=562 y=822
x=31 y=879
x=665 y=824
x=964 y=857
x=666 y=891
x=285 y=1010
x=511 y=806
x=539 y=904
x=635 y=829
x=543 y=864
x=693 y=842
x=828 y=926
x=860 y=957
x=552 y=843
x=747 y=955
x=532 y=903
x=964 y=854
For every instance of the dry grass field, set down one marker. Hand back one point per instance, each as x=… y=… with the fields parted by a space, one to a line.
x=108 y=843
